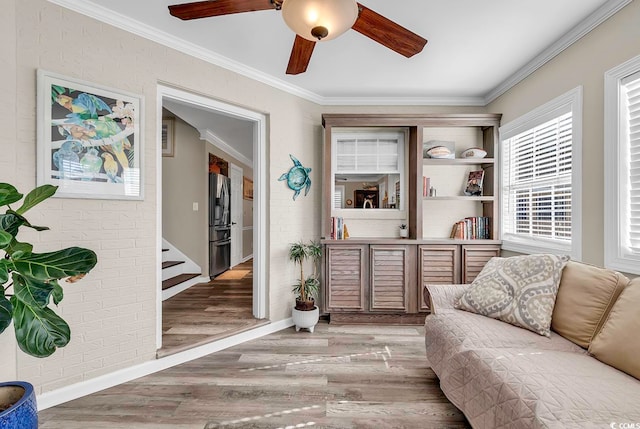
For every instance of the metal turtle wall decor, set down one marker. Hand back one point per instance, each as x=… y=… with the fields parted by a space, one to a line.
x=297 y=177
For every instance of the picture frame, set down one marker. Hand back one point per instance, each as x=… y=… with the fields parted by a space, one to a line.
x=247 y=188
x=168 y=135
x=90 y=141
x=474 y=183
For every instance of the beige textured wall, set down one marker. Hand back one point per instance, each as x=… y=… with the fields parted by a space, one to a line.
x=184 y=182
x=584 y=63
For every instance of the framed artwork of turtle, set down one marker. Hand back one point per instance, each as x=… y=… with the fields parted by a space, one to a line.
x=297 y=177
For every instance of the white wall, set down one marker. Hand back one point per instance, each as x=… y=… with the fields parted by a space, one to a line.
x=184 y=182
x=584 y=63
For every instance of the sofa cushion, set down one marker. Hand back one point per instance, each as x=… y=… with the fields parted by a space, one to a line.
x=520 y=290
x=585 y=297
x=618 y=343
x=531 y=388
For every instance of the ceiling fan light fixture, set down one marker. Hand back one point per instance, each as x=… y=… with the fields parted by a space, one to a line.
x=319 y=19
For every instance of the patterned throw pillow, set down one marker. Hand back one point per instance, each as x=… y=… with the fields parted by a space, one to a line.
x=520 y=290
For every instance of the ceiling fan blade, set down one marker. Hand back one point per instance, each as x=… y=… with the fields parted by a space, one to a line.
x=205 y=9
x=300 y=55
x=388 y=33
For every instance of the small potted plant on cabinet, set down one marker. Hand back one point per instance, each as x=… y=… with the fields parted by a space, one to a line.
x=28 y=285
x=306 y=313
x=404 y=232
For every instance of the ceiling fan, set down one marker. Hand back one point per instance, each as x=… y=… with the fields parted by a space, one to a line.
x=314 y=20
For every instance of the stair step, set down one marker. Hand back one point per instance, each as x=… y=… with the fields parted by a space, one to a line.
x=167 y=264
x=168 y=283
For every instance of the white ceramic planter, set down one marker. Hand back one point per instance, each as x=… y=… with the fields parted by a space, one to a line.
x=404 y=233
x=305 y=319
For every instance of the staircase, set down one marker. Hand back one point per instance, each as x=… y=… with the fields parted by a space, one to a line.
x=179 y=272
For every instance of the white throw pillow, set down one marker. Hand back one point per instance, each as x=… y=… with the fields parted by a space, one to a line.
x=520 y=290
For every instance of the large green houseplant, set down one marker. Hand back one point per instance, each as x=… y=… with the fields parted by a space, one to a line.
x=305 y=314
x=306 y=288
x=29 y=282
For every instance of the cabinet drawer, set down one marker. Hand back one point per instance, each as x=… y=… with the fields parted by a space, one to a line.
x=389 y=281
x=345 y=278
x=474 y=257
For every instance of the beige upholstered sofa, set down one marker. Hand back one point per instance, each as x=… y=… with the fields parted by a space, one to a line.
x=503 y=376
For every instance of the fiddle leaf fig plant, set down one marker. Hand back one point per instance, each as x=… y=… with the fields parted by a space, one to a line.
x=29 y=282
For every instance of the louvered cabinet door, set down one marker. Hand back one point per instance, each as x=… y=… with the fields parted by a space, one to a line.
x=474 y=257
x=345 y=278
x=389 y=278
x=439 y=264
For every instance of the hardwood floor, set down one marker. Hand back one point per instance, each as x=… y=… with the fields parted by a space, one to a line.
x=209 y=311
x=338 y=377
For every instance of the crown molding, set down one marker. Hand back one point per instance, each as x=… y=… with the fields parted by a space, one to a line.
x=125 y=23
x=403 y=101
x=210 y=137
x=138 y=28
x=603 y=13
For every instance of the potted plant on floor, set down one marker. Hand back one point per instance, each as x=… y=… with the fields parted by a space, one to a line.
x=28 y=285
x=305 y=313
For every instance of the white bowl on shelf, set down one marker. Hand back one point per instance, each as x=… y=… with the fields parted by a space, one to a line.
x=440 y=152
x=474 y=152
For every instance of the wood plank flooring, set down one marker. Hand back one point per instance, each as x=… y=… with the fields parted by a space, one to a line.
x=209 y=311
x=338 y=377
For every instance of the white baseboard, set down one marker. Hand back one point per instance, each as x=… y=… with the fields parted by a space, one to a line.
x=78 y=390
x=246 y=258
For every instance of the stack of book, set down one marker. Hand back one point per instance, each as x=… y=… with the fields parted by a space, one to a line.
x=472 y=228
x=338 y=229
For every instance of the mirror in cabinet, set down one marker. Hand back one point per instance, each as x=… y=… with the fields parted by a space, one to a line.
x=368 y=173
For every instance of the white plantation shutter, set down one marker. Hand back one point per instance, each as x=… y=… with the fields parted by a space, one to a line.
x=536 y=185
x=630 y=91
x=338 y=197
x=368 y=154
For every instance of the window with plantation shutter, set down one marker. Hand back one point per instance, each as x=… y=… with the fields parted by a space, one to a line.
x=539 y=190
x=622 y=167
x=338 y=197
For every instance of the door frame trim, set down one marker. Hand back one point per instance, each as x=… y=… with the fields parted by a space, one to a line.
x=259 y=120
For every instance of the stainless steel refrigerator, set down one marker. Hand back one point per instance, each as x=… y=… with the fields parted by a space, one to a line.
x=219 y=224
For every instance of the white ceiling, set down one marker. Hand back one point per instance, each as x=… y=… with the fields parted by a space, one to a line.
x=475 y=51
x=228 y=133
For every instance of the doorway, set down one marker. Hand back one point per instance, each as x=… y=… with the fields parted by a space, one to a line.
x=258 y=124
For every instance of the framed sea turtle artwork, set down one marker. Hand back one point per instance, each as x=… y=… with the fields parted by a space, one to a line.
x=89 y=139
x=297 y=178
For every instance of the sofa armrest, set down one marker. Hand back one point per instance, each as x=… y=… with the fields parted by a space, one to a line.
x=442 y=297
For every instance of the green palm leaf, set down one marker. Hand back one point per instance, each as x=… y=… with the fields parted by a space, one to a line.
x=39 y=331
x=56 y=265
